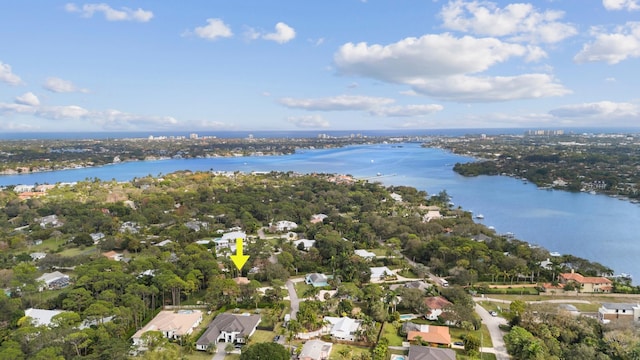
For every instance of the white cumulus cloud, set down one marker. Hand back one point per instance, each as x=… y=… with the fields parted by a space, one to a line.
x=29 y=105
x=110 y=14
x=307 y=122
x=599 y=110
x=58 y=85
x=446 y=67
x=612 y=47
x=336 y=103
x=406 y=111
x=7 y=76
x=518 y=21
x=29 y=99
x=463 y=88
x=215 y=28
x=284 y=33
x=629 y=5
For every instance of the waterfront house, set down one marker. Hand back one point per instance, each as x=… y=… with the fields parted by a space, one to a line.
x=172 y=324
x=587 y=284
x=230 y=328
x=619 y=313
x=315 y=350
x=417 y=352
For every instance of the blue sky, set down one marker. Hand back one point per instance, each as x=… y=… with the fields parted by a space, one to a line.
x=318 y=64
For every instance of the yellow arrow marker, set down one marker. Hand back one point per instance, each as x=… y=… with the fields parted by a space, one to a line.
x=239 y=259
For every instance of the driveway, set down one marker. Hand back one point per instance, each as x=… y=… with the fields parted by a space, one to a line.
x=220 y=354
x=493 y=324
x=293 y=297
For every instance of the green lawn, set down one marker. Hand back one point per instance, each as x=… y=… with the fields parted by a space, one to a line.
x=485 y=356
x=390 y=333
x=301 y=287
x=261 y=336
x=353 y=350
x=482 y=334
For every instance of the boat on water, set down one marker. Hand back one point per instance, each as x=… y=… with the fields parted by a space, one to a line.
x=479 y=216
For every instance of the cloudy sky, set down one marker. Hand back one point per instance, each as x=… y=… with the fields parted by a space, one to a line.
x=318 y=64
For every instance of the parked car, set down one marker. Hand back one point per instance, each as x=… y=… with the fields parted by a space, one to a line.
x=493 y=313
x=458 y=343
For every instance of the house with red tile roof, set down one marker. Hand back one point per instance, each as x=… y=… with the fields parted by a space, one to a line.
x=431 y=334
x=587 y=284
x=437 y=305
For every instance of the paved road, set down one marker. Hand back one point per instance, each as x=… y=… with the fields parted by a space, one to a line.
x=493 y=324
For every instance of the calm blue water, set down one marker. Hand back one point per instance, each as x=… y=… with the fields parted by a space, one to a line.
x=595 y=227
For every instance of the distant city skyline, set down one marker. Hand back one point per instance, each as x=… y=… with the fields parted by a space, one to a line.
x=318 y=65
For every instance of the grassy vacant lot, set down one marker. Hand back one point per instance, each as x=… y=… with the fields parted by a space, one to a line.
x=460 y=356
x=483 y=334
x=350 y=349
x=390 y=333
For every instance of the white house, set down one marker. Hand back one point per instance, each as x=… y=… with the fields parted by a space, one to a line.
x=283 y=225
x=315 y=350
x=230 y=328
x=396 y=197
x=367 y=255
x=50 y=221
x=38 y=255
x=306 y=243
x=171 y=324
x=380 y=273
x=54 y=280
x=41 y=317
x=342 y=328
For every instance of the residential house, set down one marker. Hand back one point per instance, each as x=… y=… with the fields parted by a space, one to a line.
x=417 y=284
x=619 y=313
x=317 y=218
x=317 y=279
x=587 y=284
x=50 y=221
x=164 y=243
x=481 y=238
x=54 y=280
x=230 y=328
x=112 y=255
x=96 y=237
x=315 y=350
x=381 y=273
x=283 y=225
x=172 y=325
x=306 y=244
x=433 y=213
x=41 y=317
x=23 y=188
x=546 y=264
x=38 y=256
x=431 y=334
x=396 y=197
x=342 y=328
x=437 y=305
x=417 y=352
x=129 y=226
x=367 y=255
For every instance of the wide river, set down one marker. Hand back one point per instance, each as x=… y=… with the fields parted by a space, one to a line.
x=594 y=227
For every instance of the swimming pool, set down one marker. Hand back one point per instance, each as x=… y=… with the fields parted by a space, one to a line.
x=404 y=317
x=397 y=357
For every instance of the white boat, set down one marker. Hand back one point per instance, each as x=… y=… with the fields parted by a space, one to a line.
x=480 y=216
